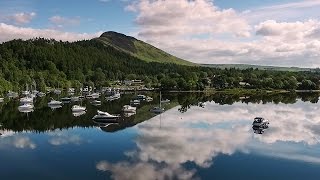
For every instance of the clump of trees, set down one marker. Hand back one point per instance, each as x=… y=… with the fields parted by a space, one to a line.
x=50 y=63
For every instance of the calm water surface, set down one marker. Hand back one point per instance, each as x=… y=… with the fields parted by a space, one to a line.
x=185 y=142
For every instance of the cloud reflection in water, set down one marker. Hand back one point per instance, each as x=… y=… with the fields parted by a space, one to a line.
x=166 y=143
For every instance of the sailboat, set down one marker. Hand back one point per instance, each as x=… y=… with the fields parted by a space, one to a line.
x=158 y=110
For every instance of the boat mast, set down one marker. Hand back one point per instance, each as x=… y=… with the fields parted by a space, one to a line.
x=160 y=100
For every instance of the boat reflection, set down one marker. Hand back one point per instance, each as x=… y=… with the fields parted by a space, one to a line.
x=129 y=114
x=78 y=113
x=259 y=129
x=107 y=127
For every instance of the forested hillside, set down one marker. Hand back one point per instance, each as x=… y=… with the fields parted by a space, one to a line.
x=49 y=63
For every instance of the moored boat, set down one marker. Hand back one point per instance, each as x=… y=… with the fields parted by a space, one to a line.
x=128 y=108
x=105 y=117
x=26 y=106
x=54 y=102
x=260 y=122
x=26 y=100
x=77 y=108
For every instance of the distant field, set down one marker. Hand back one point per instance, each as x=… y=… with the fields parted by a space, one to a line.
x=246 y=66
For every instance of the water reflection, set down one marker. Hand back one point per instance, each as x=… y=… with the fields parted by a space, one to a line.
x=199 y=135
x=9 y=139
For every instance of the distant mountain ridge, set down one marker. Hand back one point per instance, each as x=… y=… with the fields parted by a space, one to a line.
x=260 y=67
x=139 y=49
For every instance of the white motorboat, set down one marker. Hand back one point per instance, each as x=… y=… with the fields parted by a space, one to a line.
x=96 y=103
x=135 y=102
x=128 y=108
x=75 y=98
x=57 y=91
x=260 y=122
x=77 y=108
x=54 y=102
x=26 y=100
x=93 y=96
x=35 y=92
x=25 y=93
x=104 y=116
x=41 y=94
x=12 y=94
x=141 y=97
x=202 y=104
x=26 y=106
x=149 y=99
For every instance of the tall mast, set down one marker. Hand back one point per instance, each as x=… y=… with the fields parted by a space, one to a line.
x=160 y=100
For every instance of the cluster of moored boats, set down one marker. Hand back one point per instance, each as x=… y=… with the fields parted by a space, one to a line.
x=27 y=103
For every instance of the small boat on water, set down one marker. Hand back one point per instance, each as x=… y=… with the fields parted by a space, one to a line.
x=77 y=108
x=25 y=93
x=75 y=99
x=93 y=96
x=128 y=108
x=202 y=104
x=57 y=91
x=260 y=122
x=26 y=100
x=105 y=117
x=41 y=94
x=149 y=99
x=54 y=102
x=12 y=94
x=135 y=102
x=26 y=106
x=141 y=97
x=96 y=103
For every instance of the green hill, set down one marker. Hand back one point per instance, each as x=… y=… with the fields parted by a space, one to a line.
x=139 y=49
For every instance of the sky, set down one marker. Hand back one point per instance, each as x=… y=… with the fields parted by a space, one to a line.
x=269 y=32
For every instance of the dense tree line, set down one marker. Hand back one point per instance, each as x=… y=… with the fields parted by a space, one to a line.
x=50 y=63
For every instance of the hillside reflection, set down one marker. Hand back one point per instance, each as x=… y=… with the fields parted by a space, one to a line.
x=43 y=118
x=166 y=145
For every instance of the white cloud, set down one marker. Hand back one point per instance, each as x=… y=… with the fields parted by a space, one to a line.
x=22 y=18
x=62 y=139
x=201 y=32
x=23 y=142
x=144 y=171
x=183 y=17
x=10 y=32
x=60 y=22
x=10 y=139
